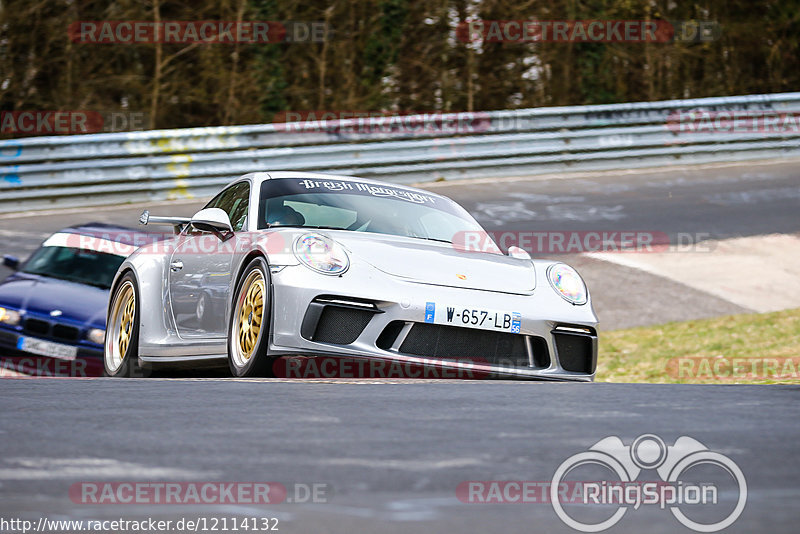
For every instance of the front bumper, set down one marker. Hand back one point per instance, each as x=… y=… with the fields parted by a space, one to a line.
x=87 y=362
x=368 y=314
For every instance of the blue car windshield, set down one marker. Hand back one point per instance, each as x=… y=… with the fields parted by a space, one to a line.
x=75 y=265
x=361 y=207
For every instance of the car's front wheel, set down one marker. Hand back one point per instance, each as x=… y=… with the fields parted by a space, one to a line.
x=248 y=328
x=121 y=352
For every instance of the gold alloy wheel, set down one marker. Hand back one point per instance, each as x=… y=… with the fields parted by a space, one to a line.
x=249 y=317
x=120 y=328
x=126 y=323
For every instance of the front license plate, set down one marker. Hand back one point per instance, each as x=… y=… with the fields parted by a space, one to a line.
x=47 y=348
x=485 y=319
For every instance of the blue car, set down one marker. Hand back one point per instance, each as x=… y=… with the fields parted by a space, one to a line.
x=53 y=307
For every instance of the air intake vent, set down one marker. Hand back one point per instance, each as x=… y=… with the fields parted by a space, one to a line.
x=575 y=351
x=455 y=343
x=341 y=326
x=389 y=335
x=541 y=354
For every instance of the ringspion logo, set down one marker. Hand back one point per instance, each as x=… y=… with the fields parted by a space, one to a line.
x=674 y=464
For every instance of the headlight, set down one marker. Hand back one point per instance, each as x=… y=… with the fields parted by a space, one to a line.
x=11 y=317
x=96 y=335
x=321 y=254
x=567 y=283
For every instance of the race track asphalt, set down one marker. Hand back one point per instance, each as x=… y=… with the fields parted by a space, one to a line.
x=391 y=455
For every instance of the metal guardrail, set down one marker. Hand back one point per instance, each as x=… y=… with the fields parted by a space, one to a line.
x=85 y=170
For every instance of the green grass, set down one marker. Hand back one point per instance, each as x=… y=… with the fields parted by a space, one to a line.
x=737 y=349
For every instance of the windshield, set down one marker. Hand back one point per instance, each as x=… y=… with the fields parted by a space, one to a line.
x=361 y=207
x=74 y=264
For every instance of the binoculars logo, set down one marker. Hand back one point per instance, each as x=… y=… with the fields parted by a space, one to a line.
x=648 y=452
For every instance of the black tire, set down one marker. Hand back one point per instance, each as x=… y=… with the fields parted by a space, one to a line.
x=247 y=349
x=121 y=358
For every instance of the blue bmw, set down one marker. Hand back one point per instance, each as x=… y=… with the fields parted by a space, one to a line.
x=53 y=307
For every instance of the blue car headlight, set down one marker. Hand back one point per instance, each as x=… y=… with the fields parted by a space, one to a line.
x=96 y=335
x=568 y=283
x=321 y=254
x=9 y=317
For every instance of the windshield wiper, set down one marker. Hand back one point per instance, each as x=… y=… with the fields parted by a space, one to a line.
x=305 y=226
x=432 y=239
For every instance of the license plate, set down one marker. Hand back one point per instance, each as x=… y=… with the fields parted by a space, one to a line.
x=47 y=348
x=485 y=319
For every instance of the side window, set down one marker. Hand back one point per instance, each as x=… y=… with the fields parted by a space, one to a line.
x=234 y=201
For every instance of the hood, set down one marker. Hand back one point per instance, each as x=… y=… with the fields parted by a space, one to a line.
x=41 y=295
x=436 y=263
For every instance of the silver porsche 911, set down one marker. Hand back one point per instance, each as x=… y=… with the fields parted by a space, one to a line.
x=284 y=265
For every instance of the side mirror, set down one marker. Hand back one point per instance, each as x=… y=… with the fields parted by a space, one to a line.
x=516 y=252
x=212 y=219
x=11 y=262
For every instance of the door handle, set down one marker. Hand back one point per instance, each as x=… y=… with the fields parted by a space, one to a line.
x=176 y=266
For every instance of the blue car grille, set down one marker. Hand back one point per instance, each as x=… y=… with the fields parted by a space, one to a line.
x=67 y=333
x=7 y=338
x=37 y=327
x=61 y=332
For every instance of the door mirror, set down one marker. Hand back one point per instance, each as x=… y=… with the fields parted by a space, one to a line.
x=11 y=262
x=516 y=252
x=212 y=219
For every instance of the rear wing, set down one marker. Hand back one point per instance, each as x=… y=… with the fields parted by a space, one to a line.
x=177 y=222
